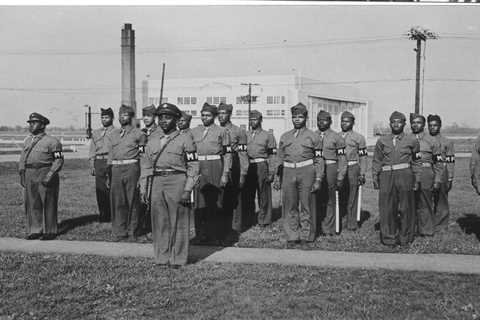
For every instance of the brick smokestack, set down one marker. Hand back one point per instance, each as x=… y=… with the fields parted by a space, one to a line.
x=128 y=66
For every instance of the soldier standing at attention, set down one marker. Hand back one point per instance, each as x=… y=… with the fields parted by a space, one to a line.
x=232 y=204
x=125 y=146
x=40 y=161
x=300 y=156
x=98 y=163
x=431 y=173
x=183 y=123
x=356 y=156
x=335 y=170
x=396 y=172
x=475 y=165
x=149 y=114
x=215 y=158
x=440 y=206
x=171 y=159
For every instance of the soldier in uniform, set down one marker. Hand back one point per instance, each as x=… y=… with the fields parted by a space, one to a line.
x=431 y=173
x=149 y=114
x=171 y=161
x=335 y=170
x=440 y=206
x=183 y=123
x=40 y=161
x=232 y=204
x=396 y=172
x=261 y=150
x=356 y=156
x=299 y=176
x=125 y=146
x=475 y=165
x=98 y=163
x=215 y=158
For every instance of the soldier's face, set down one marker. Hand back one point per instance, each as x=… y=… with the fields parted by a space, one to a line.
x=299 y=120
x=35 y=127
x=434 y=127
x=255 y=123
x=107 y=120
x=207 y=118
x=347 y=124
x=167 y=122
x=223 y=117
x=125 y=118
x=417 y=125
x=397 y=125
x=148 y=120
x=324 y=123
x=183 y=123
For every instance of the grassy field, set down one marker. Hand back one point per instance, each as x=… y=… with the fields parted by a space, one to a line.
x=78 y=220
x=87 y=287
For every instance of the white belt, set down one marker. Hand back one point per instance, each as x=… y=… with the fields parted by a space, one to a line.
x=101 y=156
x=298 y=164
x=396 y=167
x=127 y=161
x=330 y=161
x=426 y=164
x=257 y=160
x=352 y=162
x=209 y=157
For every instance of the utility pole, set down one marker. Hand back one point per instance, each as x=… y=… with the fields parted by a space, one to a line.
x=249 y=99
x=161 y=85
x=88 y=121
x=419 y=34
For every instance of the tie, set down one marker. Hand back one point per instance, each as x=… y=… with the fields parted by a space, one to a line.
x=322 y=135
x=394 y=140
x=296 y=133
x=253 y=134
x=104 y=132
x=205 y=133
x=122 y=132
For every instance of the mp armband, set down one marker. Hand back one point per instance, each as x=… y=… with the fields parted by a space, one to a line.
x=437 y=158
x=340 y=151
x=242 y=148
x=417 y=156
x=191 y=156
x=227 y=149
x=141 y=149
x=57 y=155
x=450 y=159
x=362 y=152
x=271 y=151
x=318 y=153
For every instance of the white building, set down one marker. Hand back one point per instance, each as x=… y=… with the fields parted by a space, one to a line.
x=275 y=95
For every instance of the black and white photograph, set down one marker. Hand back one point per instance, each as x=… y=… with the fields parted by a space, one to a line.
x=240 y=160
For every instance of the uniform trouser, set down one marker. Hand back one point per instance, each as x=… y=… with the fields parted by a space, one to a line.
x=41 y=202
x=257 y=181
x=424 y=202
x=208 y=200
x=326 y=199
x=349 y=196
x=170 y=220
x=397 y=206
x=124 y=199
x=231 y=202
x=299 y=219
x=102 y=190
x=442 y=209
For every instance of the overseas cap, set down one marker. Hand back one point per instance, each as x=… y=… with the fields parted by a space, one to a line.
x=210 y=108
x=299 y=108
x=347 y=114
x=106 y=112
x=149 y=111
x=126 y=109
x=255 y=114
x=38 y=117
x=415 y=116
x=226 y=107
x=322 y=114
x=397 y=115
x=185 y=115
x=169 y=108
x=434 y=117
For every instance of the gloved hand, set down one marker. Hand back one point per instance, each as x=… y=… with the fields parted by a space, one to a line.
x=449 y=185
x=339 y=184
x=376 y=184
x=416 y=186
x=241 y=182
x=316 y=186
x=361 y=180
x=185 y=199
x=223 y=180
x=22 y=178
x=276 y=183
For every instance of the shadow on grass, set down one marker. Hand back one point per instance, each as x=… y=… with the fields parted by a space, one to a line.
x=470 y=223
x=70 y=224
x=364 y=216
x=198 y=253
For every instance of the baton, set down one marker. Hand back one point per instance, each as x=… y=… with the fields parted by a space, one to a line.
x=337 y=213
x=359 y=203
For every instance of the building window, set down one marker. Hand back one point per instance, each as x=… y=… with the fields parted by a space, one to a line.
x=193 y=100
x=193 y=112
x=180 y=100
x=275 y=99
x=275 y=113
x=186 y=100
x=241 y=113
x=216 y=100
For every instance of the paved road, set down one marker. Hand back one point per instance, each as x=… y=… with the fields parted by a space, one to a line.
x=467 y=264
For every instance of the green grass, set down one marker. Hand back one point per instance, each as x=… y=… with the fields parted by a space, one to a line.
x=77 y=210
x=90 y=287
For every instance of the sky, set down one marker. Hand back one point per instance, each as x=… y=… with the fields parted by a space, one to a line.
x=55 y=60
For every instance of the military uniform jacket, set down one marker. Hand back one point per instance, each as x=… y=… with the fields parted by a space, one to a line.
x=238 y=142
x=179 y=154
x=42 y=150
x=98 y=145
x=405 y=150
x=151 y=130
x=187 y=131
x=262 y=144
x=334 y=149
x=447 y=151
x=430 y=152
x=301 y=146
x=475 y=160
x=213 y=140
x=125 y=144
x=356 y=149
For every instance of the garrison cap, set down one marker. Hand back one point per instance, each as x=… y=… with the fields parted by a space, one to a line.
x=126 y=109
x=169 y=108
x=397 y=115
x=255 y=114
x=299 y=108
x=209 y=108
x=347 y=114
x=185 y=115
x=434 y=117
x=38 y=117
x=149 y=111
x=106 y=112
x=226 y=107
x=416 y=115
x=322 y=114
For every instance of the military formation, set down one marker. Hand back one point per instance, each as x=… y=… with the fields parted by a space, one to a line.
x=151 y=182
